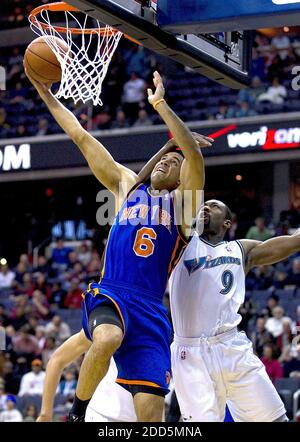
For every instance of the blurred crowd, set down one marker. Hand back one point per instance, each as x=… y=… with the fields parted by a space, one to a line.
x=130 y=74
x=40 y=308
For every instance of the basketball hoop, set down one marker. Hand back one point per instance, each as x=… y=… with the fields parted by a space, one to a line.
x=90 y=50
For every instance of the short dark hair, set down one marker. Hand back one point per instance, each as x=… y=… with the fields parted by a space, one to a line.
x=177 y=149
x=275 y=297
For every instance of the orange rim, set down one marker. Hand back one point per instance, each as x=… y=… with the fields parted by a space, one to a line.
x=63 y=7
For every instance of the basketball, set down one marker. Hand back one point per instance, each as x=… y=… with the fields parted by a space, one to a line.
x=41 y=62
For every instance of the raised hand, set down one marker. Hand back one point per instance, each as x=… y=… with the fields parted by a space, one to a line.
x=159 y=91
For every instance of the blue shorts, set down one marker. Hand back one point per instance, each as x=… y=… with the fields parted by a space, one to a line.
x=143 y=358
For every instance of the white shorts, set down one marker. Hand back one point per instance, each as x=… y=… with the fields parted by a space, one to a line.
x=210 y=372
x=111 y=402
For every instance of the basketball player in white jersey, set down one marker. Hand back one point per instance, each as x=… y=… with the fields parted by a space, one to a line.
x=110 y=402
x=212 y=362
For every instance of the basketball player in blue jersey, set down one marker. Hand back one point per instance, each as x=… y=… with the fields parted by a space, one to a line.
x=123 y=313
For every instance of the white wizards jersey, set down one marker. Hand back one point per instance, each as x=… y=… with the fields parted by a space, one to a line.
x=207 y=288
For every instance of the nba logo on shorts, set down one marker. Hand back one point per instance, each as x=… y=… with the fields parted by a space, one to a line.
x=183 y=355
x=168 y=377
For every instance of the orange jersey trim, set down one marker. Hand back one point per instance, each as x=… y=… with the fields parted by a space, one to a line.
x=147 y=383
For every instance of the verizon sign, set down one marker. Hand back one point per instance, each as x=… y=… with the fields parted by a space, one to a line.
x=268 y=139
x=15 y=158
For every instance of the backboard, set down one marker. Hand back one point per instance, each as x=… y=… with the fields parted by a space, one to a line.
x=224 y=57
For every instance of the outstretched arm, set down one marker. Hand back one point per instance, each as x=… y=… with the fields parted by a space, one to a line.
x=192 y=176
x=104 y=167
x=70 y=350
x=271 y=251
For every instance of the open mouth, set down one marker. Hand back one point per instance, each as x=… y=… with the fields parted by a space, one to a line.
x=161 y=169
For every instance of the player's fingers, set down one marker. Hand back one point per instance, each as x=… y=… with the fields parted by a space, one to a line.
x=149 y=92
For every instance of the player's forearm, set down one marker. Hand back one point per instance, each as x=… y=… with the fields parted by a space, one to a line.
x=64 y=118
x=181 y=133
x=275 y=249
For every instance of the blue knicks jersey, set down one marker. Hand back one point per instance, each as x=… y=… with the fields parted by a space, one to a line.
x=143 y=245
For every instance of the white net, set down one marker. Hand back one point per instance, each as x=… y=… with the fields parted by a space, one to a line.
x=84 y=54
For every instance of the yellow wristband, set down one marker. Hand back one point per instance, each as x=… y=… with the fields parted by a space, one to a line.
x=157 y=102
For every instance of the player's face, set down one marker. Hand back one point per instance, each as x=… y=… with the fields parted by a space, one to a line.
x=214 y=215
x=166 y=173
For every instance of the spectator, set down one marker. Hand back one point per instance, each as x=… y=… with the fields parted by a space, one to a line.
x=276 y=93
x=58 y=295
x=133 y=95
x=102 y=120
x=120 y=121
x=40 y=306
x=4 y=123
x=4 y=320
x=50 y=347
x=279 y=279
x=260 y=336
x=6 y=277
x=73 y=259
x=32 y=383
x=3 y=398
x=27 y=286
x=43 y=127
x=224 y=112
x=42 y=285
x=42 y=266
x=246 y=311
x=58 y=329
x=273 y=367
x=20 y=270
x=250 y=94
x=10 y=379
x=60 y=254
x=40 y=335
x=30 y=413
x=286 y=336
x=25 y=344
x=18 y=315
x=275 y=325
x=293 y=277
x=259 y=232
x=281 y=41
x=244 y=110
x=263 y=277
x=291 y=366
x=24 y=259
x=298 y=316
x=33 y=322
x=74 y=298
x=272 y=302
x=143 y=119
x=68 y=385
x=11 y=414
x=84 y=255
x=258 y=65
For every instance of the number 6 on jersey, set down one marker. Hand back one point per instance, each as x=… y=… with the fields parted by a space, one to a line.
x=143 y=244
